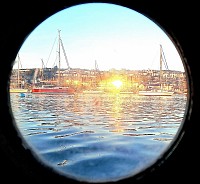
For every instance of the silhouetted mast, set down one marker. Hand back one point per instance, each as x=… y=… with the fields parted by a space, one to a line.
x=59 y=57
x=59 y=64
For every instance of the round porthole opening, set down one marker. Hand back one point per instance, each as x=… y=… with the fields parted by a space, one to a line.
x=99 y=93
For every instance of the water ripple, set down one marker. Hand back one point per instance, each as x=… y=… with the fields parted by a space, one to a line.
x=105 y=141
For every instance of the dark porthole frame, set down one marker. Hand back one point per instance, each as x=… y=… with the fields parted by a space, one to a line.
x=178 y=164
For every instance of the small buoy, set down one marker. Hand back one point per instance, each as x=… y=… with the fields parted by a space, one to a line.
x=22 y=95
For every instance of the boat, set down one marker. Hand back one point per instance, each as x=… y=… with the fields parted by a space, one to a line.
x=18 y=90
x=22 y=94
x=158 y=91
x=52 y=89
x=17 y=87
x=56 y=87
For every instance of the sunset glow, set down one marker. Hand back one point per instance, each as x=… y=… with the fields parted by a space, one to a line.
x=117 y=83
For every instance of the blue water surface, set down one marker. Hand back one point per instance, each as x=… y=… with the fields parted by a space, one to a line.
x=98 y=137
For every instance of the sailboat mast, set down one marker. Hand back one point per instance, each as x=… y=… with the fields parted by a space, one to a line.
x=18 y=83
x=42 y=70
x=161 y=72
x=59 y=42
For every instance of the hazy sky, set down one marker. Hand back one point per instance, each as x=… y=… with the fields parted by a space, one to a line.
x=115 y=36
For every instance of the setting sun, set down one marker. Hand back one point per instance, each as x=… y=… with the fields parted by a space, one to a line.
x=117 y=83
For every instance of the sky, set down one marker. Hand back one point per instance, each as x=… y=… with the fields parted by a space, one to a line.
x=114 y=36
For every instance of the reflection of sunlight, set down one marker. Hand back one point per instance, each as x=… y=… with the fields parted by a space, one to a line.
x=117 y=114
x=118 y=127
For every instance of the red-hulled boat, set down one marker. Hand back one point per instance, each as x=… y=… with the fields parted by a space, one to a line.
x=52 y=89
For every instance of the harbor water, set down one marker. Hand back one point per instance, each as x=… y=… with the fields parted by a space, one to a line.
x=98 y=137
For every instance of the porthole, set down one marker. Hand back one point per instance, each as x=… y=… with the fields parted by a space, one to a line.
x=111 y=99
x=95 y=112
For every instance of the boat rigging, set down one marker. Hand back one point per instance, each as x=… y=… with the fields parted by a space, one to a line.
x=59 y=88
x=160 y=91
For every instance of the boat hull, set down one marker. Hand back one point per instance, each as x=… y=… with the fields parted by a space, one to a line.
x=18 y=90
x=155 y=93
x=53 y=90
